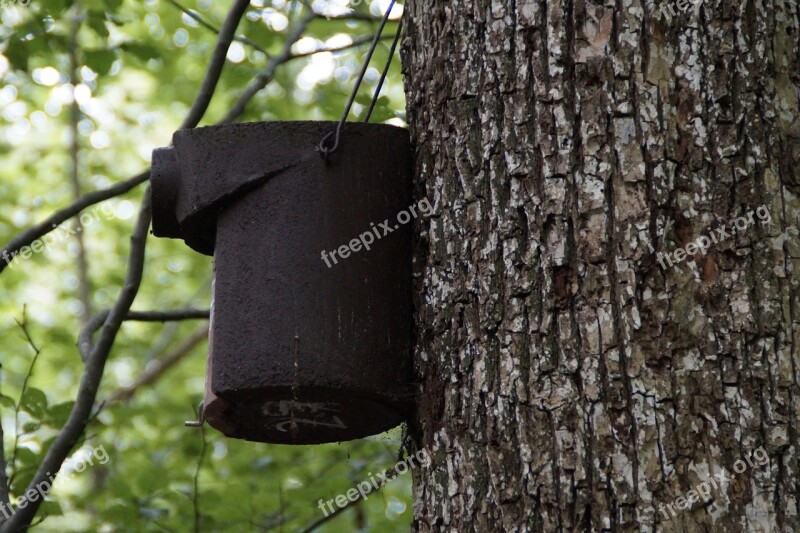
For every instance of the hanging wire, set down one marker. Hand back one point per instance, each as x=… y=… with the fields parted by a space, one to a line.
x=322 y=147
x=385 y=72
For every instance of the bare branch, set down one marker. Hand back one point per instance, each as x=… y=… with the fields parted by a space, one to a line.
x=200 y=20
x=36 y=352
x=3 y=473
x=390 y=473
x=27 y=237
x=216 y=64
x=358 y=41
x=84 y=285
x=155 y=372
x=336 y=512
x=170 y=331
x=265 y=76
x=85 y=343
x=354 y=15
x=168 y=316
x=196 y=481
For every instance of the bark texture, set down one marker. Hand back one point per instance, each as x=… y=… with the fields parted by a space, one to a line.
x=569 y=382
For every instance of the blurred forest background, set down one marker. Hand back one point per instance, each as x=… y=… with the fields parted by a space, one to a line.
x=89 y=88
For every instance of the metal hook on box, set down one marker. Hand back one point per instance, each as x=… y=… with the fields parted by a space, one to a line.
x=323 y=147
x=200 y=418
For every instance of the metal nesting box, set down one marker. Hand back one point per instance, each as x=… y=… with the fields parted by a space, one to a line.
x=302 y=349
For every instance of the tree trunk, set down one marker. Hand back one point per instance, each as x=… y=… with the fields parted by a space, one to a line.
x=570 y=377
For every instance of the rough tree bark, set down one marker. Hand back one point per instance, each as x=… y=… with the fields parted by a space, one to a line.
x=568 y=381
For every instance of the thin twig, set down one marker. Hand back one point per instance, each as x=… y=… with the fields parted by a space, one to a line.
x=155 y=372
x=354 y=15
x=358 y=41
x=171 y=330
x=196 y=492
x=27 y=237
x=265 y=76
x=339 y=510
x=216 y=64
x=36 y=352
x=168 y=316
x=204 y=23
x=4 y=486
x=85 y=344
x=389 y=473
x=84 y=285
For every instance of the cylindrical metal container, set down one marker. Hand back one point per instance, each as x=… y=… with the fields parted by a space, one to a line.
x=311 y=317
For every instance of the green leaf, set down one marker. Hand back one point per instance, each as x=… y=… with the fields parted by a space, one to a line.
x=94 y=5
x=153 y=513
x=143 y=51
x=363 y=98
x=30 y=427
x=97 y=21
x=25 y=456
x=17 y=54
x=59 y=413
x=34 y=401
x=100 y=61
x=7 y=401
x=50 y=508
x=120 y=512
x=56 y=8
x=382 y=111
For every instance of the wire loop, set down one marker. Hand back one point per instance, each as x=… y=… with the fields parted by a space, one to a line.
x=323 y=147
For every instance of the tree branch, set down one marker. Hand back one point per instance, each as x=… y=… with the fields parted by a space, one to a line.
x=85 y=337
x=200 y=20
x=358 y=41
x=216 y=64
x=168 y=316
x=354 y=15
x=27 y=237
x=3 y=473
x=169 y=332
x=389 y=473
x=36 y=353
x=336 y=512
x=84 y=284
x=264 y=77
x=196 y=480
x=161 y=366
